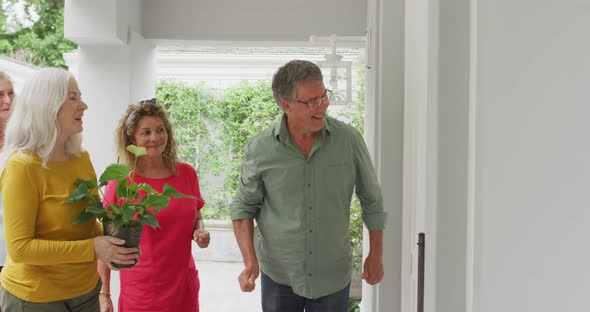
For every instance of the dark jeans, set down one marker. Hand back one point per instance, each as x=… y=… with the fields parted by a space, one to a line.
x=281 y=298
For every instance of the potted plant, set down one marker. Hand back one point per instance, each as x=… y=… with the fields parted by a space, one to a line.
x=124 y=219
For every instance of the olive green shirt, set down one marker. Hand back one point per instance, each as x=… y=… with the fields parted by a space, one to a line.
x=302 y=205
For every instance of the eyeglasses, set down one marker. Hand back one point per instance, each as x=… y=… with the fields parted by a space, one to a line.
x=318 y=102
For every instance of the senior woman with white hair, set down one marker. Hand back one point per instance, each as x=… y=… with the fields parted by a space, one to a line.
x=6 y=98
x=52 y=263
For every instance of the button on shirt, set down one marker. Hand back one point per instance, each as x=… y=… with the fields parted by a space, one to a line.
x=302 y=205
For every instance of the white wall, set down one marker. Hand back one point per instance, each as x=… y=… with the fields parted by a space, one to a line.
x=532 y=164
x=111 y=78
x=420 y=149
x=96 y=22
x=252 y=20
x=452 y=180
x=19 y=72
x=384 y=135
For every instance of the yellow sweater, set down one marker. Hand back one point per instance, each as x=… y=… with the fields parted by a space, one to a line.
x=49 y=258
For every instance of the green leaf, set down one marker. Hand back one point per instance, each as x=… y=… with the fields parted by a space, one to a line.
x=146 y=187
x=133 y=190
x=122 y=189
x=118 y=222
x=96 y=208
x=93 y=198
x=137 y=150
x=79 y=193
x=90 y=183
x=114 y=172
x=128 y=211
x=170 y=191
x=157 y=202
x=116 y=209
x=83 y=217
x=149 y=219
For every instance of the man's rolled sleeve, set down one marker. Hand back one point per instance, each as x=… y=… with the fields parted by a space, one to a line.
x=249 y=195
x=374 y=222
x=371 y=202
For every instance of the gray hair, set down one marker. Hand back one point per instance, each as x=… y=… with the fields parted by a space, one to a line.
x=4 y=76
x=32 y=126
x=287 y=76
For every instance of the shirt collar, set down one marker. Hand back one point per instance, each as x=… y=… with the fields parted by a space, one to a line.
x=282 y=133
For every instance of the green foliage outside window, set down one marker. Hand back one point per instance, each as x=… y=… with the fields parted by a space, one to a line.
x=354 y=114
x=42 y=44
x=212 y=131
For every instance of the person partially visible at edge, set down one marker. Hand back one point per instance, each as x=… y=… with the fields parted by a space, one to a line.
x=297 y=179
x=166 y=278
x=6 y=98
x=51 y=264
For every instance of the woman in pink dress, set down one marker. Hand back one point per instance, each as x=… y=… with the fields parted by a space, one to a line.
x=166 y=278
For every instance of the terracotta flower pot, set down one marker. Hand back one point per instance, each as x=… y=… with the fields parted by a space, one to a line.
x=131 y=235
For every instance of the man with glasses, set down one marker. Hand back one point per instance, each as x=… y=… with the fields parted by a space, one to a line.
x=296 y=180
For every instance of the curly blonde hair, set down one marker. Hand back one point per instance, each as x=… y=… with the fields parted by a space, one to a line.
x=128 y=126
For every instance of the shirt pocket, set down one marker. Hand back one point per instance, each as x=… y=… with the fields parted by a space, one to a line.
x=336 y=180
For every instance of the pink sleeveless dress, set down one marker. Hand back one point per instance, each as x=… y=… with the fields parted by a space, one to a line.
x=166 y=279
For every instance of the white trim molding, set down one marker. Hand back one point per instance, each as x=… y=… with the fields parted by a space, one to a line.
x=472 y=164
